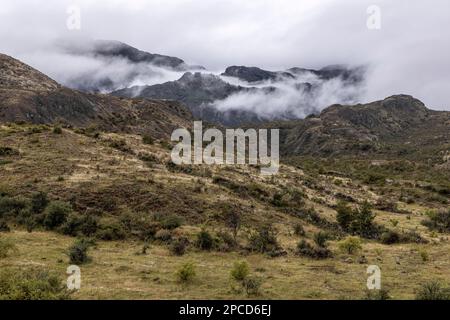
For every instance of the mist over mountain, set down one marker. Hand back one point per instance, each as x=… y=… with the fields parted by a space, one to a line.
x=248 y=94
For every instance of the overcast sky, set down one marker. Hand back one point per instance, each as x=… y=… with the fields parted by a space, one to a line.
x=409 y=54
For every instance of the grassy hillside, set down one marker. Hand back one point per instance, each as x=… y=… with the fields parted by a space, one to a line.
x=146 y=218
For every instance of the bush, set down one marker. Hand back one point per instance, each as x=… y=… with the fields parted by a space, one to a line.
x=204 y=240
x=39 y=201
x=299 y=230
x=12 y=206
x=186 y=273
x=438 y=221
x=264 y=239
x=240 y=271
x=110 y=232
x=390 y=237
x=57 y=130
x=6 y=247
x=226 y=241
x=31 y=285
x=171 y=222
x=382 y=294
x=147 y=139
x=179 y=245
x=344 y=215
x=163 y=235
x=304 y=248
x=433 y=291
x=252 y=286
x=362 y=223
x=4 y=226
x=350 y=245
x=78 y=251
x=56 y=214
x=321 y=239
x=75 y=225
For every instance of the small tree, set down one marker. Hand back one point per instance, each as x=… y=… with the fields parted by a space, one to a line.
x=233 y=221
x=344 y=215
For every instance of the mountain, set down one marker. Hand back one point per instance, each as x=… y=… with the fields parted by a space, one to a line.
x=397 y=125
x=199 y=92
x=254 y=74
x=117 y=49
x=28 y=95
x=348 y=74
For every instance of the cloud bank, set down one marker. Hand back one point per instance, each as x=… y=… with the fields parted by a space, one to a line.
x=409 y=54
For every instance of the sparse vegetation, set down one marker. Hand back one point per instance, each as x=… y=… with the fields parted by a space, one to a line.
x=186 y=273
x=350 y=245
x=240 y=271
x=433 y=291
x=78 y=251
x=31 y=285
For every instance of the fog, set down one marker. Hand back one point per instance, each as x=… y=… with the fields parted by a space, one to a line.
x=408 y=54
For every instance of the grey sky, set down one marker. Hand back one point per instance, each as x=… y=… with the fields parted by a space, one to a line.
x=409 y=54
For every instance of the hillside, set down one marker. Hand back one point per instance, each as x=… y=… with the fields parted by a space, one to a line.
x=399 y=126
x=29 y=96
x=95 y=167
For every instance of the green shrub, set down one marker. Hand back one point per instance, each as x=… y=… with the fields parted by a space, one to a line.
x=382 y=294
x=321 y=238
x=147 y=139
x=186 y=273
x=204 y=240
x=350 y=245
x=4 y=226
x=56 y=214
x=6 y=247
x=264 y=239
x=39 y=201
x=433 y=291
x=305 y=249
x=240 y=271
x=78 y=251
x=344 y=215
x=227 y=242
x=75 y=225
x=110 y=231
x=57 y=130
x=31 y=285
x=390 y=237
x=179 y=245
x=12 y=206
x=438 y=221
x=299 y=230
x=171 y=222
x=163 y=235
x=120 y=144
x=252 y=286
x=363 y=222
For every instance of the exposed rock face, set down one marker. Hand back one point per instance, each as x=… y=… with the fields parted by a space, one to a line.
x=253 y=74
x=28 y=95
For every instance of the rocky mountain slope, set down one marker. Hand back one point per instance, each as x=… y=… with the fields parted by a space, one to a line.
x=29 y=96
x=398 y=125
